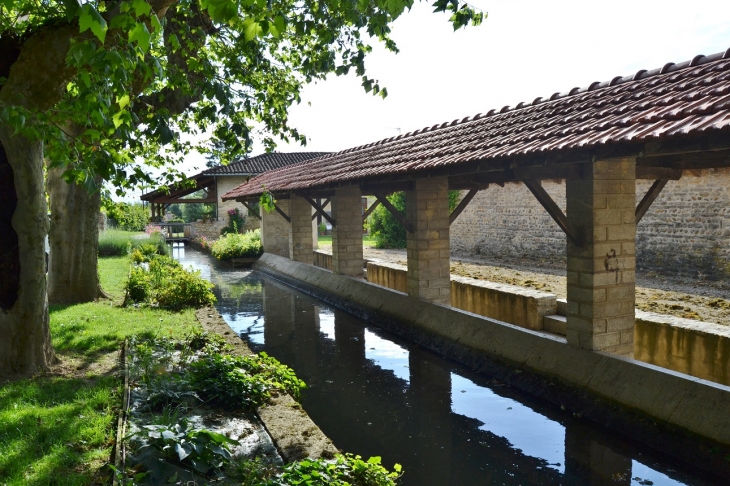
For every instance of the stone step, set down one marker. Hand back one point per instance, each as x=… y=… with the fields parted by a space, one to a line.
x=562 y=307
x=555 y=324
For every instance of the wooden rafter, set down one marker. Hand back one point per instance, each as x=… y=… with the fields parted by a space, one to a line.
x=649 y=198
x=324 y=205
x=319 y=209
x=396 y=214
x=251 y=210
x=554 y=211
x=370 y=210
x=283 y=214
x=462 y=205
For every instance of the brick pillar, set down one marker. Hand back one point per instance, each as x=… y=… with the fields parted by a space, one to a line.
x=300 y=237
x=427 y=209
x=601 y=274
x=347 y=233
x=275 y=230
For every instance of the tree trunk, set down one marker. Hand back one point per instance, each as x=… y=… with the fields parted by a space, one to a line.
x=74 y=240
x=25 y=338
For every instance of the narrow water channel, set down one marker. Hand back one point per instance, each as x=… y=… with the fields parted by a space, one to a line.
x=373 y=394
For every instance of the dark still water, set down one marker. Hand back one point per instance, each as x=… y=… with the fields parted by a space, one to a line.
x=374 y=394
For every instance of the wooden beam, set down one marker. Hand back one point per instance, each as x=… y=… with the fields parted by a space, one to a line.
x=656 y=173
x=251 y=210
x=462 y=205
x=370 y=210
x=649 y=198
x=516 y=174
x=283 y=214
x=696 y=160
x=396 y=214
x=554 y=211
x=370 y=188
x=319 y=209
x=324 y=205
x=209 y=200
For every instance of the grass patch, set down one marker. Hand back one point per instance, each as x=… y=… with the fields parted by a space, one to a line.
x=59 y=428
x=326 y=240
x=120 y=243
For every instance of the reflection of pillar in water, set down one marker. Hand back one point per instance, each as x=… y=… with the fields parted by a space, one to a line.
x=349 y=339
x=278 y=315
x=430 y=395
x=306 y=335
x=592 y=463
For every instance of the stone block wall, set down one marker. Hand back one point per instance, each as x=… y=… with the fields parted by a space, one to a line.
x=224 y=185
x=347 y=252
x=686 y=231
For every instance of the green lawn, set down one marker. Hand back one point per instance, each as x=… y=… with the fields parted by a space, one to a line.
x=326 y=240
x=59 y=428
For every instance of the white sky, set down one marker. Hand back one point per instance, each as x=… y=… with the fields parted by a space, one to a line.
x=524 y=49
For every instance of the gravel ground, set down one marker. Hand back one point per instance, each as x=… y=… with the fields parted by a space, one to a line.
x=681 y=297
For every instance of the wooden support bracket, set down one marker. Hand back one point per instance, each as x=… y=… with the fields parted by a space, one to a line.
x=251 y=210
x=319 y=210
x=370 y=210
x=649 y=198
x=283 y=214
x=554 y=211
x=324 y=205
x=396 y=214
x=462 y=205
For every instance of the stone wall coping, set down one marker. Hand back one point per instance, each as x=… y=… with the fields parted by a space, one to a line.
x=512 y=289
x=700 y=327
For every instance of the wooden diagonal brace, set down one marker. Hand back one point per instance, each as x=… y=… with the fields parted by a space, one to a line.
x=370 y=210
x=462 y=205
x=319 y=210
x=251 y=210
x=283 y=214
x=396 y=214
x=649 y=198
x=554 y=211
x=324 y=205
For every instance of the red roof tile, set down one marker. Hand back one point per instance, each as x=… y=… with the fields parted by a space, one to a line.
x=676 y=100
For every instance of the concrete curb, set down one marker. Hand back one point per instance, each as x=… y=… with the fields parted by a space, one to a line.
x=679 y=415
x=294 y=433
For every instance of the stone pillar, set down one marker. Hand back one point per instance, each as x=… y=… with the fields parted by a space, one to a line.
x=300 y=235
x=601 y=273
x=275 y=230
x=347 y=233
x=427 y=209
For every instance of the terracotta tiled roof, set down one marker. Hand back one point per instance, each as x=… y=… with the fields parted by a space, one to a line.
x=676 y=100
x=262 y=163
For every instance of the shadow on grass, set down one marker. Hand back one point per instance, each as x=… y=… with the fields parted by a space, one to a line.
x=56 y=430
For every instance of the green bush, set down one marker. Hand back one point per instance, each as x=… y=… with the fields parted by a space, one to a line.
x=128 y=217
x=236 y=222
x=346 y=470
x=168 y=285
x=235 y=245
x=241 y=382
x=386 y=230
x=154 y=239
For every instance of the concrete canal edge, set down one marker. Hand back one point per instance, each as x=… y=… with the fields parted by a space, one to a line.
x=677 y=414
x=294 y=433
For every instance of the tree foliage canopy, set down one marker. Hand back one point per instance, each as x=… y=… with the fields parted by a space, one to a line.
x=119 y=82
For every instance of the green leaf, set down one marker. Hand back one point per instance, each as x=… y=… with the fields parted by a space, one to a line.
x=123 y=101
x=141 y=36
x=141 y=7
x=71 y=6
x=91 y=19
x=251 y=28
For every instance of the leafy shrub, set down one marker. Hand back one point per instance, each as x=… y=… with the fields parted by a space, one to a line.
x=236 y=382
x=128 y=217
x=114 y=243
x=386 y=230
x=346 y=470
x=169 y=285
x=236 y=221
x=203 y=450
x=145 y=252
x=235 y=245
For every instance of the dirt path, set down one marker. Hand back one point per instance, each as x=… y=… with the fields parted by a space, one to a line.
x=703 y=301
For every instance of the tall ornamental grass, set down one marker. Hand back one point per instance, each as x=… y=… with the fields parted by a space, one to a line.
x=235 y=245
x=121 y=243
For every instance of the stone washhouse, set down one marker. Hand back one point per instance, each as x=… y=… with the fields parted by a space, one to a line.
x=611 y=144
